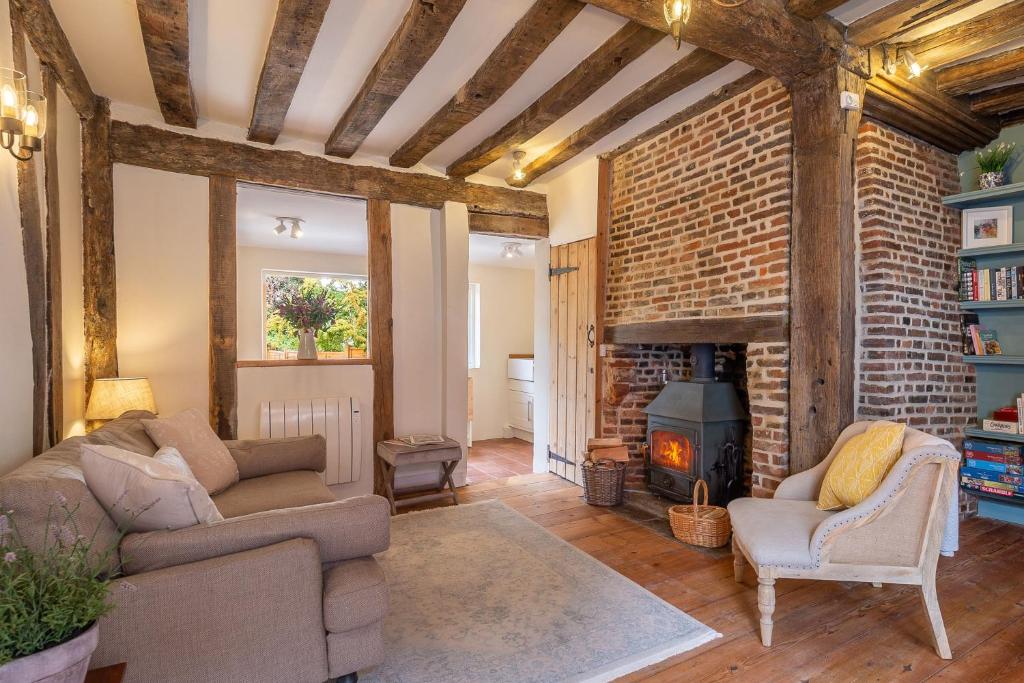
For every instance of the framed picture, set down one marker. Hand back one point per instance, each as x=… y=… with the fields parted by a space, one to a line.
x=991 y=227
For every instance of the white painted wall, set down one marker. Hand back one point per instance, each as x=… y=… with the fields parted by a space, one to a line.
x=162 y=248
x=542 y=360
x=252 y=261
x=453 y=239
x=69 y=140
x=572 y=204
x=506 y=327
x=15 y=341
x=256 y=385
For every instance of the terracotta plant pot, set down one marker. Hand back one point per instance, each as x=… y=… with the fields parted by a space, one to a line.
x=307 y=345
x=64 y=663
x=991 y=179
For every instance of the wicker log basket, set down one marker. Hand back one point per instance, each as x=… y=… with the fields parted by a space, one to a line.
x=603 y=482
x=700 y=524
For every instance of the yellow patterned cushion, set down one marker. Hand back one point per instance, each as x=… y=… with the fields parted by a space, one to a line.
x=861 y=465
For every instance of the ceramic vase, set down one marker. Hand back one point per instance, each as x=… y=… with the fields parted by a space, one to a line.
x=307 y=345
x=64 y=663
x=991 y=179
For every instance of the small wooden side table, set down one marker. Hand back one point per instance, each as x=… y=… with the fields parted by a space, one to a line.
x=107 y=674
x=393 y=454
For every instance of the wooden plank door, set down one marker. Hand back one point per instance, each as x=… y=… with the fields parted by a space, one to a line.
x=573 y=355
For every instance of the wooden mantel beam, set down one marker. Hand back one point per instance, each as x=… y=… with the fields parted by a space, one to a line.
x=631 y=41
x=169 y=150
x=761 y=33
x=296 y=27
x=983 y=32
x=685 y=72
x=164 y=26
x=424 y=27
x=515 y=53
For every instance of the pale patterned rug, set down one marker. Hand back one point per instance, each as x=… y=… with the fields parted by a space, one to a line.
x=480 y=594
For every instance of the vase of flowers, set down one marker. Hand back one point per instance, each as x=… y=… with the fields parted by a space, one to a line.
x=51 y=595
x=308 y=309
x=992 y=164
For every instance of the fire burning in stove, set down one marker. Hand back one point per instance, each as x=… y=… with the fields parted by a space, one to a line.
x=671 y=450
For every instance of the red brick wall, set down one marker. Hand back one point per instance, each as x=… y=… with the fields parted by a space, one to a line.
x=700 y=228
x=909 y=365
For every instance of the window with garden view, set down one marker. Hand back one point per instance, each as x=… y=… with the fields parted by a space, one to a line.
x=335 y=307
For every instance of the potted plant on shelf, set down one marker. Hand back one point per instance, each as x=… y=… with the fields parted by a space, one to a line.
x=308 y=309
x=51 y=596
x=992 y=164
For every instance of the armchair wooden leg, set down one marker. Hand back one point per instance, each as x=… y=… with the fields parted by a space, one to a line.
x=766 y=603
x=931 y=605
x=738 y=561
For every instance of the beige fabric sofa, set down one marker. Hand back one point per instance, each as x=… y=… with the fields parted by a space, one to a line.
x=284 y=589
x=892 y=536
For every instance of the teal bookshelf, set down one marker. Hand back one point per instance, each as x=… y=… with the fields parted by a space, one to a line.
x=1000 y=378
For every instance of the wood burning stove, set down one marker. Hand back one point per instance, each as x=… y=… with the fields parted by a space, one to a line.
x=695 y=431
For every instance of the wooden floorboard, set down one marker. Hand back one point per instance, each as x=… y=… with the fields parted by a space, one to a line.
x=824 y=631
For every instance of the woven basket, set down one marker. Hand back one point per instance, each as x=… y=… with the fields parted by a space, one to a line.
x=603 y=482
x=700 y=524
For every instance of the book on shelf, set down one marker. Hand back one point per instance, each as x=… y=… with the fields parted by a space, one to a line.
x=966 y=321
x=994 y=488
x=994 y=477
x=994 y=448
x=1000 y=426
x=991 y=466
x=990 y=284
x=983 y=341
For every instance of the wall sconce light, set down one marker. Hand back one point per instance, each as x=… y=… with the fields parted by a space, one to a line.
x=22 y=116
x=517 y=165
x=892 y=58
x=677 y=13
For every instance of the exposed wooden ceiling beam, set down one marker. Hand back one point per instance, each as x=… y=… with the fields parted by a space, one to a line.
x=169 y=150
x=295 y=30
x=631 y=41
x=961 y=79
x=685 y=72
x=984 y=32
x=812 y=9
x=726 y=92
x=999 y=100
x=899 y=17
x=424 y=27
x=508 y=226
x=1012 y=118
x=517 y=51
x=52 y=47
x=919 y=108
x=165 y=34
x=762 y=33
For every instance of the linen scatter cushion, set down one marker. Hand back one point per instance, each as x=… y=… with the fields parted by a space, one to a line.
x=861 y=465
x=207 y=456
x=142 y=493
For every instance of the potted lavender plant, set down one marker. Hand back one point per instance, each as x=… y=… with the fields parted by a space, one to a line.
x=992 y=163
x=309 y=309
x=50 y=600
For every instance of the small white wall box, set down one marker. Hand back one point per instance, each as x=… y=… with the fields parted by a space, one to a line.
x=849 y=100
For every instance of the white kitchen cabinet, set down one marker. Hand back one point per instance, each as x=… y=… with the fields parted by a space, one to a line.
x=520 y=397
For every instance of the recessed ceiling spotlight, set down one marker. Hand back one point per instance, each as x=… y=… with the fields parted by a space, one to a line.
x=517 y=165
x=511 y=250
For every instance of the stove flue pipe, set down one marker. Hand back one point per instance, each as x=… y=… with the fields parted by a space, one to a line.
x=702 y=362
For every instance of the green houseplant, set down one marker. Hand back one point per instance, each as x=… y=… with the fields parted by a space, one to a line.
x=992 y=164
x=306 y=307
x=51 y=595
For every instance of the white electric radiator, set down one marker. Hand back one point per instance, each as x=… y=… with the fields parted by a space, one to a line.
x=336 y=419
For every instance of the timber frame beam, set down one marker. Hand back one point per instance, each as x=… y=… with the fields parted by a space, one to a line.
x=223 y=307
x=164 y=25
x=167 y=150
x=382 y=354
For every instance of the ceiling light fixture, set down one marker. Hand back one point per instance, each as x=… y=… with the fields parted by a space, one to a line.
x=677 y=13
x=511 y=250
x=279 y=229
x=296 y=228
x=893 y=57
x=22 y=116
x=913 y=66
x=517 y=165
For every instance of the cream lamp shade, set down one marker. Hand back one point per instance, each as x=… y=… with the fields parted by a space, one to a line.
x=114 y=396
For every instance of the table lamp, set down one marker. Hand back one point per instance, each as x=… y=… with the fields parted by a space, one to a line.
x=111 y=397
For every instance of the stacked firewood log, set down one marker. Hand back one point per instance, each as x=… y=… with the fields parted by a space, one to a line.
x=607 y=449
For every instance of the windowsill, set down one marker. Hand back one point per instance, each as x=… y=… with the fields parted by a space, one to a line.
x=295 y=363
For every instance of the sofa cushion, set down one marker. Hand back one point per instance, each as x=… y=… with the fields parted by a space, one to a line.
x=776 y=533
x=145 y=494
x=126 y=432
x=273 y=492
x=355 y=594
x=189 y=431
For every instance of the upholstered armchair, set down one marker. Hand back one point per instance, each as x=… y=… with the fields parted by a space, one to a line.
x=893 y=536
